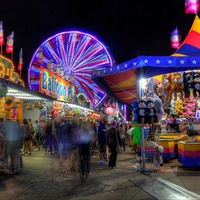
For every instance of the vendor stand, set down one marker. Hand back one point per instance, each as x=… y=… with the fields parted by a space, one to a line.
x=11 y=105
x=189 y=154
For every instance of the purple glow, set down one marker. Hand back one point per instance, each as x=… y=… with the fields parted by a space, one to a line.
x=75 y=52
x=125 y=111
x=191 y=6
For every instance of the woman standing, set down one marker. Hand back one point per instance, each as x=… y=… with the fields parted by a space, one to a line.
x=113 y=139
x=26 y=137
x=121 y=130
x=48 y=138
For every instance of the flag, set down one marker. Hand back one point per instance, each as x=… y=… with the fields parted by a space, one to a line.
x=1 y=34
x=191 y=6
x=9 y=43
x=175 y=39
x=20 y=60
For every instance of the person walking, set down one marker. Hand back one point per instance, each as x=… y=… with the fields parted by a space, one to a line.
x=121 y=130
x=37 y=134
x=84 y=139
x=113 y=139
x=2 y=140
x=31 y=139
x=102 y=142
x=26 y=138
x=48 y=137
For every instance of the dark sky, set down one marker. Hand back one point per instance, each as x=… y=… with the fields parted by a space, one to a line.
x=128 y=28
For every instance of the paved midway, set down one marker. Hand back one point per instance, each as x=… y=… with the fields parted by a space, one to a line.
x=41 y=179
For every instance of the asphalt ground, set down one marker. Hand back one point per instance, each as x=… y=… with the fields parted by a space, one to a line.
x=41 y=179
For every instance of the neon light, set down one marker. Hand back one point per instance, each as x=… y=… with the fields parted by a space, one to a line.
x=77 y=53
x=125 y=112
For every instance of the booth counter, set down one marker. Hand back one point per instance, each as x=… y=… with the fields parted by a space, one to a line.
x=170 y=143
x=189 y=154
x=169 y=148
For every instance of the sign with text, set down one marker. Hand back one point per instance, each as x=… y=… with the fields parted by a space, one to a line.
x=54 y=86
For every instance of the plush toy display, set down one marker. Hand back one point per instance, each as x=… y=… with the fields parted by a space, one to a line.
x=142 y=112
x=178 y=107
x=167 y=88
x=177 y=85
x=159 y=90
x=158 y=160
x=151 y=113
x=172 y=106
x=150 y=87
x=159 y=107
x=163 y=126
x=187 y=80
x=189 y=109
x=135 y=111
x=196 y=82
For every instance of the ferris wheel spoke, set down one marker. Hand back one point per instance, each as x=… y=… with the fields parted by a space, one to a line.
x=80 y=51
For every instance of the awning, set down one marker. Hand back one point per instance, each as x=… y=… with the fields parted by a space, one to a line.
x=20 y=92
x=121 y=80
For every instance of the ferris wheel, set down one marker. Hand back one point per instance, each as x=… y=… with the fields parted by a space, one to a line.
x=72 y=55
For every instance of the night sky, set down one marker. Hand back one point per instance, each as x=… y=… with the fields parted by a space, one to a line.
x=128 y=28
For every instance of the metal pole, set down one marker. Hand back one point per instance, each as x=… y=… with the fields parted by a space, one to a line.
x=143 y=147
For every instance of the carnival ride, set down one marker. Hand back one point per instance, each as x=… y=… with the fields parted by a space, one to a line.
x=72 y=55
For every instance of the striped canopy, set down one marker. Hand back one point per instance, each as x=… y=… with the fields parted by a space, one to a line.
x=120 y=81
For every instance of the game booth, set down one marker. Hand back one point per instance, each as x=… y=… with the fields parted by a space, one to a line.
x=13 y=93
x=166 y=101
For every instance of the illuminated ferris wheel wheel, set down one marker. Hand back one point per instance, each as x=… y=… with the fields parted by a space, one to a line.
x=72 y=55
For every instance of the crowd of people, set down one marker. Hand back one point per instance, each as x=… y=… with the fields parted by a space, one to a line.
x=73 y=140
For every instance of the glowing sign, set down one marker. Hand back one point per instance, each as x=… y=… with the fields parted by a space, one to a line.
x=54 y=86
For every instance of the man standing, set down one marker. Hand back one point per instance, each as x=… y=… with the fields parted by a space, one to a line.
x=113 y=140
x=102 y=142
x=13 y=143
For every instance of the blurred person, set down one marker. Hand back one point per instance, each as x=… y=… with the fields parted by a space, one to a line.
x=2 y=139
x=102 y=142
x=113 y=136
x=55 y=136
x=2 y=147
x=65 y=147
x=37 y=134
x=130 y=136
x=191 y=125
x=13 y=134
x=1 y=125
x=31 y=139
x=48 y=137
x=26 y=138
x=121 y=130
x=94 y=127
x=84 y=139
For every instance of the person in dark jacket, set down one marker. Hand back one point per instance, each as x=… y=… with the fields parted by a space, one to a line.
x=113 y=139
x=48 y=138
x=102 y=142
